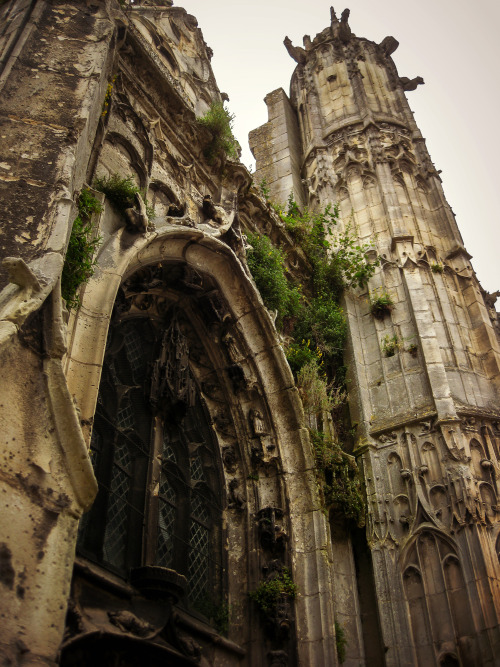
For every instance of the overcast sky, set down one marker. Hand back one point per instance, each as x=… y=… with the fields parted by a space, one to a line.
x=453 y=44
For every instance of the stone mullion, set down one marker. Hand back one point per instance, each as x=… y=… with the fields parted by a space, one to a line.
x=395 y=221
x=393 y=614
x=314 y=108
x=429 y=344
x=390 y=596
x=492 y=568
x=414 y=203
x=359 y=393
x=358 y=89
x=453 y=238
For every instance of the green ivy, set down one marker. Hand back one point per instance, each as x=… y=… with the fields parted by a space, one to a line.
x=269 y=593
x=219 y=122
x=342 y=482
x=340 y=642
x=79 y=262
x=312 y=313
x=316 y=328
x=267 y=265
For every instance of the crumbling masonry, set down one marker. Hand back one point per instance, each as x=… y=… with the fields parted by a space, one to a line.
x=157 y=429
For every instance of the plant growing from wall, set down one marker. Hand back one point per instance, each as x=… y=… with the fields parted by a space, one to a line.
x=342 y=484
x=301 y=354
x=121 y=191
x=264 y=189
x=412 y=349
x=391 y=345
x=269 y=592
x=312 y=312
x=316 y=328
x=313 y=389
x=267 y=265
x=437 y=268
x=219 y=122
x=107 y=97
x=340 y=642
x=79 y=261
x=381 y=304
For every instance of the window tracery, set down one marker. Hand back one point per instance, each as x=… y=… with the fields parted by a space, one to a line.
x=153 y=449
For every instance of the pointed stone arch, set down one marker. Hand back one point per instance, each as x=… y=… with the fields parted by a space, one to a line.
x=284 y=444
x=443 y=605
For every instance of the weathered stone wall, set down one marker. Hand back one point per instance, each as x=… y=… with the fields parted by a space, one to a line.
x=95 y=89
x=276 y=147
x=116 y=90
x=424 y=374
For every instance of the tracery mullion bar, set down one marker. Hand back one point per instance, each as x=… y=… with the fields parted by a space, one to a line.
x=152 y=493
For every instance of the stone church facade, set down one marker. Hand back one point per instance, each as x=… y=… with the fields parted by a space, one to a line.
x=156 y=467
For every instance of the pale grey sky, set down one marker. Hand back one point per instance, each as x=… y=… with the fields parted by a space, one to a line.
x=453 y=44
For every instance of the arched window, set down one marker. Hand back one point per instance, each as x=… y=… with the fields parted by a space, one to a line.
x=154 y=455
x=438 y=602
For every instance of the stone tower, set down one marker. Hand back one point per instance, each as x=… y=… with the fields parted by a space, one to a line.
x=160 y=495
x=424 y=369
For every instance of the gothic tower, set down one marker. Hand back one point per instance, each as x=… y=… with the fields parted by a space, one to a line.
x=423 y=352
x=160 y=496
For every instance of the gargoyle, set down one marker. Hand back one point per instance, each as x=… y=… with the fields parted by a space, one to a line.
x=410 y=84
x=210 y=211
x=236 y=498
x=223 y=215
x=137 y=219
x=130 y=623
x=296 y=52
x=345 y=30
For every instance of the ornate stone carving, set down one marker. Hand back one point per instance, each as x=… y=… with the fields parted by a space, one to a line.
x=231 y=347
x=229 y=458
x=236 y=498
x=386 y=438
x=257 y=423
x=410 y=84
x=223 y=422
x=136 y=218
x=128 y=622
x=171 y=378
x=295 y=52
x=272 y=534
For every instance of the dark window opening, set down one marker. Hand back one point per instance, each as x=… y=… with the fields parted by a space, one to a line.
x=155 y=460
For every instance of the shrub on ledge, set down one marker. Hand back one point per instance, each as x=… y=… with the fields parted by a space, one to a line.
x=219 y=122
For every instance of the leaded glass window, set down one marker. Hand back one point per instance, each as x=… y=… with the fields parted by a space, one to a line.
x=153 y=453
